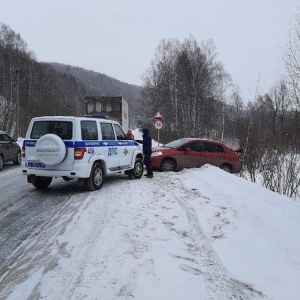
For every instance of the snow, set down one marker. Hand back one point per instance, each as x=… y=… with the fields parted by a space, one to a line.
x=195 y=234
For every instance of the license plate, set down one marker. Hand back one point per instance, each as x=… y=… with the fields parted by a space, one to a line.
x=36 y=165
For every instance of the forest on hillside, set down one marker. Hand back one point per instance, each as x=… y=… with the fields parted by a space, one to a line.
x=98 y=84
x=29 y=88
x=187 y=83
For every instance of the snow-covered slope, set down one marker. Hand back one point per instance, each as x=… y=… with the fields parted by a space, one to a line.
x=195 y=234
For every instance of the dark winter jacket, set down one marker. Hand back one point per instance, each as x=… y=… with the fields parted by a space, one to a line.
x=147 y=142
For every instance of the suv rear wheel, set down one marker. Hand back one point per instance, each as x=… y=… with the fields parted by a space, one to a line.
x=1 y=162
x=95 y=181
x=42 y=182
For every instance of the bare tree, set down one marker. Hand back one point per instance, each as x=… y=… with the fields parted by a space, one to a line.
x=277 y=104
x=183 y=82
x=224 y=92
x=292 y=61
x=280 y=172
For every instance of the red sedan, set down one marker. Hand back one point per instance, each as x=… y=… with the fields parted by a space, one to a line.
x=194 y=153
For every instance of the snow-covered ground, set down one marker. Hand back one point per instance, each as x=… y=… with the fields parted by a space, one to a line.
x=195 y=234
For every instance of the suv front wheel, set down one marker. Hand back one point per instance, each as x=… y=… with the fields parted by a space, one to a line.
x=95 y=181
x=137 y=171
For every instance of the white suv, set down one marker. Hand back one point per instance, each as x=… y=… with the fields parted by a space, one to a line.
x=78 y=147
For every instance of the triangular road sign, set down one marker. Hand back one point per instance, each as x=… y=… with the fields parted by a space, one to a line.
x=158 y=115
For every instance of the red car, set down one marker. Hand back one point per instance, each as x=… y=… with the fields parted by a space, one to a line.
x=194 y=153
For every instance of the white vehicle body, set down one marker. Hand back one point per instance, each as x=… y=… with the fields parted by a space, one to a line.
x=69 y=147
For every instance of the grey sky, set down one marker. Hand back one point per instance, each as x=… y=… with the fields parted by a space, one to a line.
x=119 y=37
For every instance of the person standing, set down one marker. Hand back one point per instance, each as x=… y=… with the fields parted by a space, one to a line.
x=129 y=135
x=147 y=151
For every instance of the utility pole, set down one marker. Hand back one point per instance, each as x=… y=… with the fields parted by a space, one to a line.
x=17 y=104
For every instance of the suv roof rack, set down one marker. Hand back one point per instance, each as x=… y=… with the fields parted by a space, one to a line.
x=97 y=116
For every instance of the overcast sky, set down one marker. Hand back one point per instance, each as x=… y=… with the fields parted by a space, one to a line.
x=119 y=37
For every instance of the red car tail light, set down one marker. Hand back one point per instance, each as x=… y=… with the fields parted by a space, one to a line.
x=79 y=153
x=23 y=152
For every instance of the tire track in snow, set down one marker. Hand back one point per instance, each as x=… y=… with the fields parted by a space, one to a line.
x=22 y=255
x=36 y=253
x=70 y=278
x=207 y=264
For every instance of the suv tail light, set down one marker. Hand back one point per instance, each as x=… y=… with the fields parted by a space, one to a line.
x=23 y=152
x=79 y=153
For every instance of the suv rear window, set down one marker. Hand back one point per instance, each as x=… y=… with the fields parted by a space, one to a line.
x=63 y=129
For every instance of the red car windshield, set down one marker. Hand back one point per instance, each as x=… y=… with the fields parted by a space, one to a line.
x=176 y=143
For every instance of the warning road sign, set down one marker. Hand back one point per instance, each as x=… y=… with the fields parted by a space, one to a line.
x=158 y=115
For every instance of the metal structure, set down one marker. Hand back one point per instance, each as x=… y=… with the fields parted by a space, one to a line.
x=116 y=108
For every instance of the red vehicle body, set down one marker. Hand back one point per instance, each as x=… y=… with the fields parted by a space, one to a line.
x=194 y=153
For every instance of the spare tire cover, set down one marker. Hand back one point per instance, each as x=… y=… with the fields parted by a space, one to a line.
x=50 y=149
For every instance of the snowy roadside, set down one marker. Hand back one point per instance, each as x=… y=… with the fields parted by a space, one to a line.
x=188 y=235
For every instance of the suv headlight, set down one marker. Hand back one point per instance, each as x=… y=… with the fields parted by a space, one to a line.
x=157 y=153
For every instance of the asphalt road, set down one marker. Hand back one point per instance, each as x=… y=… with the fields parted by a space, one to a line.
x=25 y=211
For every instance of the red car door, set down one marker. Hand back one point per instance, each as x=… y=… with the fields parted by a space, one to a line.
x=214 y=154
x=191 y=155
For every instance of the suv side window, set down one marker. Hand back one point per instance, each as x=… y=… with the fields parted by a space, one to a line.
x=107 y=131
x=89 y=130
x=119 y=132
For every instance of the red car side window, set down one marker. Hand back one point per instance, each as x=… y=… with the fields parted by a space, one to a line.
x=214 y=148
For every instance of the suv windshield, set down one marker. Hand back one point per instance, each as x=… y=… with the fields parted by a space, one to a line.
x=61 y=128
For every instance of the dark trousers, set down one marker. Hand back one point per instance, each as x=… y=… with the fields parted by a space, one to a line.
x=147 y=162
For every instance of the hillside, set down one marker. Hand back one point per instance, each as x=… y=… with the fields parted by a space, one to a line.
x=98 y=84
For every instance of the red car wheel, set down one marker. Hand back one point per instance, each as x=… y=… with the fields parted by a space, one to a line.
x=168 y=165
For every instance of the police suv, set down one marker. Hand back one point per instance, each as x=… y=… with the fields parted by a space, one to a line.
x=78 y=147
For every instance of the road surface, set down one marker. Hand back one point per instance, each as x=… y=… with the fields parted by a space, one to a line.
x=137 y=239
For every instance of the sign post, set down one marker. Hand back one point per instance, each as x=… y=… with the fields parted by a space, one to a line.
x=158 y=123
x=139 y=121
